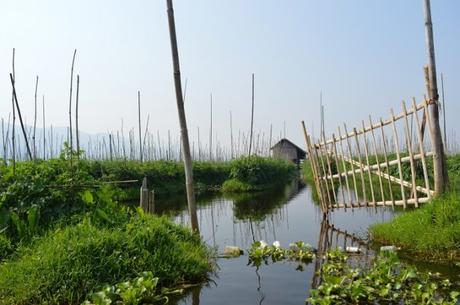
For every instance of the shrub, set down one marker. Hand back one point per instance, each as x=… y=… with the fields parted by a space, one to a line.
x=5 y=247
x=257 y=173
x=68 y=264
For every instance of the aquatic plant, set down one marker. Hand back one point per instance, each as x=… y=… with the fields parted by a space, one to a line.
x=386 y=281
x=260 y=252
x=141 y=290
x=66 y=264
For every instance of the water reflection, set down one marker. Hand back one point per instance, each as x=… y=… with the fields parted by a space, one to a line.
x=287 y=214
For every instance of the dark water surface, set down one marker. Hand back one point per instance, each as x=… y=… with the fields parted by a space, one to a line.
x=287 y=215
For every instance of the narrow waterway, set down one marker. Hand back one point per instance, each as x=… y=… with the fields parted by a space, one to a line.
x=287 y=215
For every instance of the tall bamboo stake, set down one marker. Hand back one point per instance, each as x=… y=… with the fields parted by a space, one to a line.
x=13 y=135
x=252 y=116
x=20 y=117
x=44 y=124
x=210 y=130
x=140 y=126
x=35 y=119
x=70 y=104
x=439 y=166
x=444 y=111
x=231 y=137
x=77 y=135
x=182 y=120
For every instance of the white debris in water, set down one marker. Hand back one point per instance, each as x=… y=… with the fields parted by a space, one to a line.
x=263 y=244
x=232 y=251
x=276 y=244
x=353 y=249
x=389 y=248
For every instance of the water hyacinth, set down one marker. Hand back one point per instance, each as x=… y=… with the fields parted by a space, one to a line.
x=260 y=252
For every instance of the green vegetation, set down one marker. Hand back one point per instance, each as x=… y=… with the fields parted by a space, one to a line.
x=141 y=290
x=261 y=252
x=67 y=264
x=256 y=173
x=431 y=232
x=386 y=281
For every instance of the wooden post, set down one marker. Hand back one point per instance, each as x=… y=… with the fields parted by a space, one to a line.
x=366 y=152
x=252 y=116
x=210 y=130
x=377 y=159
x=70 y=104
x=334 y=152
x=20 y=117
x=13 y=135
x=361 y=170
x=140 y=126
x=182 y=120
x=345 y=170
x=231 y=137
x=385 y=154
x=44 y=125
x=398 y=156
x=411 y=155
x=77 y=133
x=352 y=166
x=144 y=195
x=440 y=169
x=444 y=112
x=35 y=119
x=421 y=148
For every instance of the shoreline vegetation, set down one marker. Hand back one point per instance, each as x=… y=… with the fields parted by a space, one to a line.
x=429 y=233
x=65 y=238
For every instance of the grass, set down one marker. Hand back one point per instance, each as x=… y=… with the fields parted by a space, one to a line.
x=66 y=265
x=431 y=232
x=255 y=173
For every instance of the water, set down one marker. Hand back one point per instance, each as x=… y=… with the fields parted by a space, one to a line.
x=287 y=215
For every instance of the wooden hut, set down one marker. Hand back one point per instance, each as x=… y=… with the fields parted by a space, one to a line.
x=287 y=150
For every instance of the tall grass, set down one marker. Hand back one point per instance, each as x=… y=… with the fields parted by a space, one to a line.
x=67 y=264
x=256 y=173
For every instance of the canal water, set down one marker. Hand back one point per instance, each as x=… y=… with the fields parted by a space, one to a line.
x=287 y=215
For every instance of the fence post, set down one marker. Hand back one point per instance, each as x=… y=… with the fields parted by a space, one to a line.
x=440 y=171
x=144 y=195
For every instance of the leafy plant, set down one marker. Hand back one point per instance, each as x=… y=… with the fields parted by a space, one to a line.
x=141 y=290
x=260 y=252
x=387 y=281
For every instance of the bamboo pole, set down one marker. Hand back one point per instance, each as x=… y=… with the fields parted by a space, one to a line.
x=13 y=134
x=366 y=152
x=398 y=157
x=411 y=156
x=350 y=201
x=77 y=134
x=34 y=144
x=385 y=154
x=422 y=152
x=377 y=160
x=361 y=169
x=324 y=177
x=210 y=130
x=231 y=137
x=140 y=125
x=20 y=118
x=440 y=170
x=70 y=104
x=352 y=166
x=328 y=162
x=44 y=125
x=182 y=120
x=252 y=116
x=444 y=112
x=337 y=165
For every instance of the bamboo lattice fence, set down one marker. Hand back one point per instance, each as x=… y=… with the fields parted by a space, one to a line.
x=383 y=163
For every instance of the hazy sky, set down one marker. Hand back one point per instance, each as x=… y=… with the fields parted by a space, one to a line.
x=366 y=56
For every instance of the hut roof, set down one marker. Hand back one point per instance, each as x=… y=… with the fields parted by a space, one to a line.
x=285 y=141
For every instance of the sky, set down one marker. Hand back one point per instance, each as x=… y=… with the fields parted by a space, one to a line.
x=365 y=57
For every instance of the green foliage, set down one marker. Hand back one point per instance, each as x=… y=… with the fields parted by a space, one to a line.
x=40 y=193
x=256 y=173
x=68 y=264
x=141 y=290
x=386 y=281
x=5 y=247
x=260 y=252
x=432 y=231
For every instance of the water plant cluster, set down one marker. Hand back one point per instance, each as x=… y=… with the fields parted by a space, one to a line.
x=431 y=232
x=386 y=281
x=261 y=252
x=141 y=290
